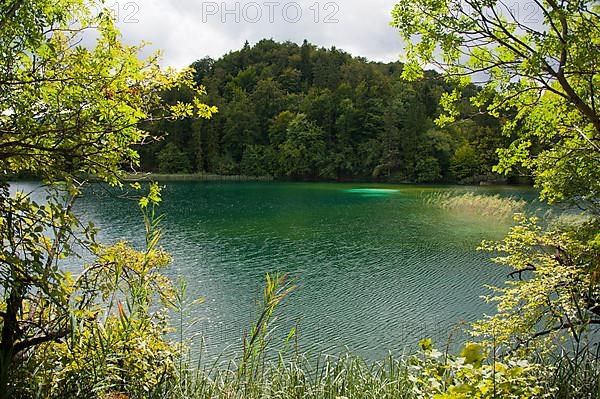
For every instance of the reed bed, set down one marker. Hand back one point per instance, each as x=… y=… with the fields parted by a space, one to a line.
x=478 y=205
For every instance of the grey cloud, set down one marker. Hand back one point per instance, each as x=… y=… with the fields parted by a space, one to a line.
x=185 y=30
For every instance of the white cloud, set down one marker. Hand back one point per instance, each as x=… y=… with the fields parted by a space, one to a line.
x=186 y=30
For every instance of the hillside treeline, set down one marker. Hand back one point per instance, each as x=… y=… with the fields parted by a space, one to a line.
x=301 y=112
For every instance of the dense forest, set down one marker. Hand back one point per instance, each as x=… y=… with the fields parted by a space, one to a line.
x=302 y=112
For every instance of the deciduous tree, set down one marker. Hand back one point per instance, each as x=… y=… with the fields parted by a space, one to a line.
x=546 y=72
x=72 y=97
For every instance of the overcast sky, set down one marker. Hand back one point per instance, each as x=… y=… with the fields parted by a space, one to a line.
x=186 y=30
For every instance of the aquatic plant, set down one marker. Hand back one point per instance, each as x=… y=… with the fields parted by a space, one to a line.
x=476 y=204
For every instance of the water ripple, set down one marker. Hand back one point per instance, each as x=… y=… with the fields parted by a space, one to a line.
x=375 y=273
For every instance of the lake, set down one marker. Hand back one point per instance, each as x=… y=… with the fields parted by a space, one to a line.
x=377 y=268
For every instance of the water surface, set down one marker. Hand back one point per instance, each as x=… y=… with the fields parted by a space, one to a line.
x=377 y=268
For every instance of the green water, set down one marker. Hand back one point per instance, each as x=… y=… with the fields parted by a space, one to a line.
x=377 y=268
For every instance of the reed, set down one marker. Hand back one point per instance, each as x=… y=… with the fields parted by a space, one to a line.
x=260 y=372
x=301 y=376
x=475 y=204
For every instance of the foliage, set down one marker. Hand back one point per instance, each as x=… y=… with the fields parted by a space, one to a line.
x=67 y=112
x=258 y=161
x=370 y=124
x=427 y=169
x=303 y=151
x=115 y=343
x=468 y=376
x=464 y=163
x=544 y=70
x=560 y=294
x=94 y=332
x=36 y=293
x=68 y=109
x=172 y=160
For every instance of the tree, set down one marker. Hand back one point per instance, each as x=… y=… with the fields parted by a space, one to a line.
x=303 y=152
x=555 y=287
x=374 y=124
x=427 y=170
x=172 y=160
x=548 y=70
x=202 y=68
x=305 y=66
x=464 y=163
x=546 y=73
x=258 y=160
x=241 y=125
x=405 y=125
x=268 y=102
x=67 y=112
x=278 y=128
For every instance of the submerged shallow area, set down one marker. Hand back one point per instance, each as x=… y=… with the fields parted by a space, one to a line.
x=372 y=192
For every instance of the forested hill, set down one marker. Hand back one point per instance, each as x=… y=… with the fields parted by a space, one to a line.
x=302 y=112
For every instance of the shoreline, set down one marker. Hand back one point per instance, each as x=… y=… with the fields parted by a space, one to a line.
x=200 y=177
x=191 y=177
x=209 y=177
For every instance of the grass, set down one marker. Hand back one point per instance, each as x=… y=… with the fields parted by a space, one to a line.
x=345 y=376
x=479 y=205
x=256 y=373
x=292 y=375
x=349 y=377
x=574 y=371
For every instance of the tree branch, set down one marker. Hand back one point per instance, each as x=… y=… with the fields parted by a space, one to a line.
x=529 y=268
x=53 y=336
x=564 y=326
x=10 y=13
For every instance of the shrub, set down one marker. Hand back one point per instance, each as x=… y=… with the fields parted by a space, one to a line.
x=115 y=341
x=439 y=376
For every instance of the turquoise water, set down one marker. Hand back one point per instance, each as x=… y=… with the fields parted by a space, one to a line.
x=377 y=269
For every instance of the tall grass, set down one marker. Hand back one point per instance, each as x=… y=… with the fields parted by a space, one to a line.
x=289 y=374
x=346 y=376
x=478 y=205
x=255 y=374
x=574 y=373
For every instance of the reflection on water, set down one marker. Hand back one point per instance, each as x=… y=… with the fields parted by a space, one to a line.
x=377 y=269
